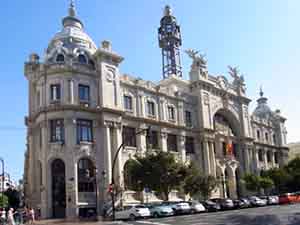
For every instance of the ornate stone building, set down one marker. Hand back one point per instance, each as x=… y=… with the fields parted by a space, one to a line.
x=81 y=107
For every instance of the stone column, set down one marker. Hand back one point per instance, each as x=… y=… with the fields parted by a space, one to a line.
x=118 y=142
x=212 y=158
x=180 y=114
x=266 y=166
x=181 y=147
x=273 y=158
x=206 y=155
x=246 y=157
x=141 y=140
x=44 y=185
x=163 y=141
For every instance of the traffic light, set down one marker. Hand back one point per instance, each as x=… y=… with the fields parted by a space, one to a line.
x=110 y=188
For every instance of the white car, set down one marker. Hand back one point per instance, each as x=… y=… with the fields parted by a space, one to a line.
x=132 y=212
x=182 y=208
x=196 y=207
x=255 y=201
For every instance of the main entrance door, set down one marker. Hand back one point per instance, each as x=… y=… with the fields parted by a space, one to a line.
x=58 y=189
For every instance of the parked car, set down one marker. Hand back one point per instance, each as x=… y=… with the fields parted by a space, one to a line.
x=211 y=206
x=241 y=203
x=132 y=212
x=196 y=207
x=256 y=201
x=271 y=200
x=179 y=207
x=225 y=203
x=160 y=210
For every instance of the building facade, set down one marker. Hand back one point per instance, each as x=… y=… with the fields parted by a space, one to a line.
x=81 y=107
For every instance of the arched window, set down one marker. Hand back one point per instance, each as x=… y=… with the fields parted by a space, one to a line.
x=222 y=125
x=60 y=58
x=86 y=175
x=128 y=178
x=92 y=64
x=82 y=59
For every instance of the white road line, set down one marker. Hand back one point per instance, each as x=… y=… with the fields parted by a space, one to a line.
x=153 y=223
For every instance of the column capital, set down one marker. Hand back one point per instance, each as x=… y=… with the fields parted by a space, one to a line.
x=108 y=123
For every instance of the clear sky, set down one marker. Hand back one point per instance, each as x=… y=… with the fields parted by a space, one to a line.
x=262 y=37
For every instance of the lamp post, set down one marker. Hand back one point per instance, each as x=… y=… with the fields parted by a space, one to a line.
x=113 y=169
x=96 y=189
x=2 y=162
x=223 y=184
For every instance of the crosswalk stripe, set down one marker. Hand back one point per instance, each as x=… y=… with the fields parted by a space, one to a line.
x=153 y=223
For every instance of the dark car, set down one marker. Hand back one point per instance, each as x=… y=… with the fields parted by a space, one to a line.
x=211 y=206
x=241 y=203
x=225 y=203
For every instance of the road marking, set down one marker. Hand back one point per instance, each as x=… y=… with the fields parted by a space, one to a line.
x=153 y=223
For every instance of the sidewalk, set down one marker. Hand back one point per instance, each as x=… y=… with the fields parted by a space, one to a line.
x=64 y=222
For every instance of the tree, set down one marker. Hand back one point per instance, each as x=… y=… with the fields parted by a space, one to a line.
x=13 y=198
x=158 y=171
x=199 y=184
x=266 y=183
x=280 y=178
x=252 y=182
x=3 y=201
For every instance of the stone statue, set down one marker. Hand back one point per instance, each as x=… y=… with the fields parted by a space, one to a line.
x=199 y=60
x=238 y=79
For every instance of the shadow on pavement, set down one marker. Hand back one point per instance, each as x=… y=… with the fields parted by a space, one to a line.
x=261 y=220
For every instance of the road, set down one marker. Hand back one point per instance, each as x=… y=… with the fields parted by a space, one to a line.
x=270 y=215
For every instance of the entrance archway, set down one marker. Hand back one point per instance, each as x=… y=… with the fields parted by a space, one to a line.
x=58 y=189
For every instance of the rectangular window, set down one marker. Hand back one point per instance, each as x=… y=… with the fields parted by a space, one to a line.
x=171 y=113
x=56 y=130
x=188 y=118
x=127 y=102
x=189 y=145
x=152 y=140
x=267 y=136
x=150 y=108
x=269 y=156
x=172 y=142
x=84 y=93
x=55 y=92
x=129 y=136
x=274 y=139
x=224 y=148
x=84 y=130
x=260 y=155
x=258 y=134
x=276 y=157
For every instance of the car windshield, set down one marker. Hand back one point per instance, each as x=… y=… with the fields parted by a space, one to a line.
x=140 y=206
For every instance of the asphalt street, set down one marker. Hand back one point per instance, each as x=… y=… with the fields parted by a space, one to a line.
x=269 y=215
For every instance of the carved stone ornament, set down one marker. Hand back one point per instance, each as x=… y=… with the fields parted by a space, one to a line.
x=238 y=79
x=109 y=76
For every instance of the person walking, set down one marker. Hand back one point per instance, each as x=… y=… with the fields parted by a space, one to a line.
x=10 y=217
x=31 y=216
x=3 y=216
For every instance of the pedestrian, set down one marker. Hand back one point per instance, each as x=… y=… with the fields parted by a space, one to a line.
x=3 y=216
x=31 y=216
x=10 y=217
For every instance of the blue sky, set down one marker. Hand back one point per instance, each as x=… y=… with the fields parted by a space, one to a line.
x=260 y=36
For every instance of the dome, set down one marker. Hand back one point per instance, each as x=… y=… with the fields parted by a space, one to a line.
x=262 y=110
x=71 y=40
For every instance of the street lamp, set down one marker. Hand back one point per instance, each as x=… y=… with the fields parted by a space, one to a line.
x=2 y=162
x=113 y=168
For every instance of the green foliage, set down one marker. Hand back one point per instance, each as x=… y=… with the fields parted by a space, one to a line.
x=158 y=171
x=13 y=198
x=252 y=182
x=3 y=201
x=199 y=184
x=280 y=177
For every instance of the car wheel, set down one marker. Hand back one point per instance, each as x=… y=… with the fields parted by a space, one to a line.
x=193 y=211
x=155 y=215
x=132 y=217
